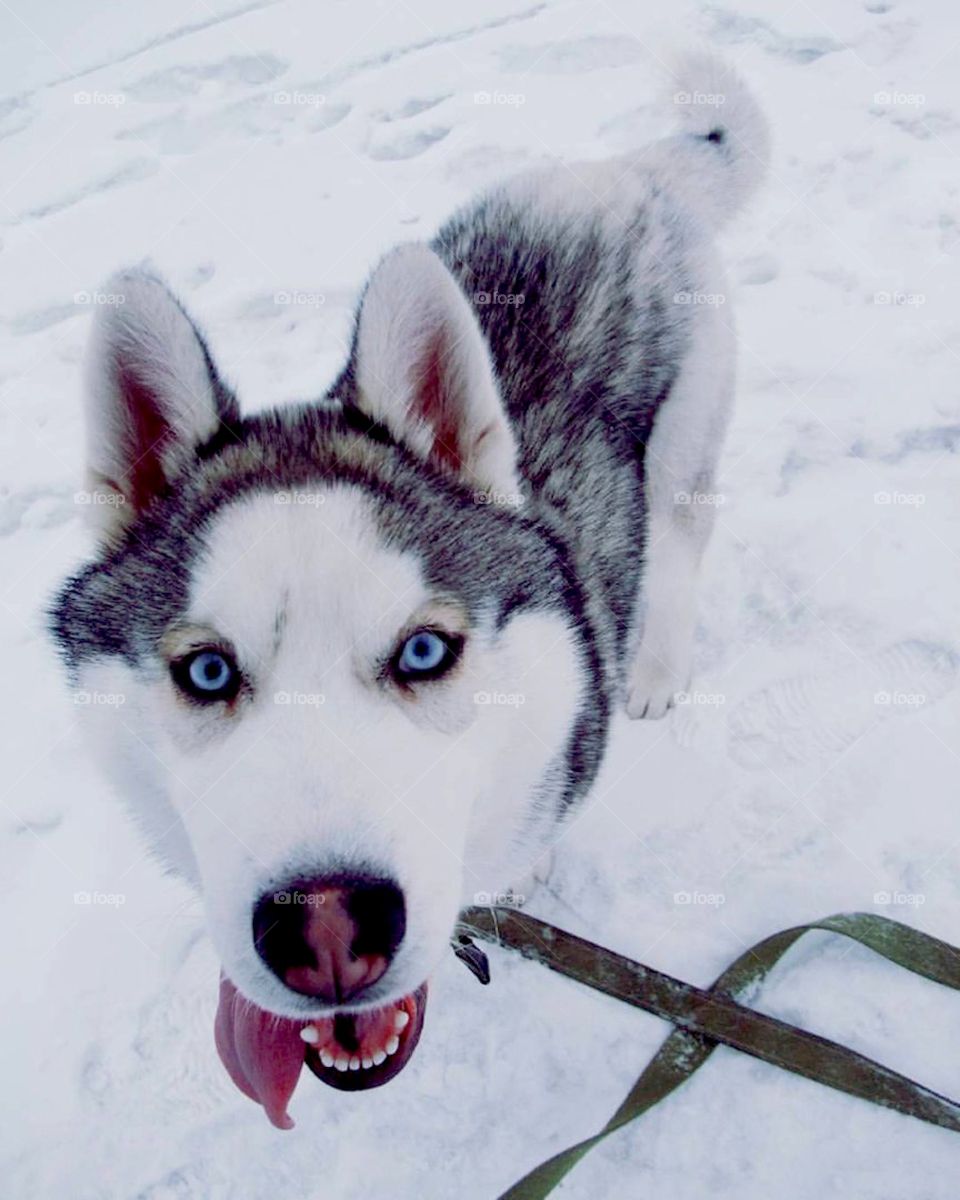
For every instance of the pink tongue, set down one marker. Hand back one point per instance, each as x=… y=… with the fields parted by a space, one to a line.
x=263 y=1052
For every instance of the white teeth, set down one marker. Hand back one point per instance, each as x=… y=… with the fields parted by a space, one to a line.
x=342 y=1062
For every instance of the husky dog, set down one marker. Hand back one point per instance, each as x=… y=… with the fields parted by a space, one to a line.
x=371 y=646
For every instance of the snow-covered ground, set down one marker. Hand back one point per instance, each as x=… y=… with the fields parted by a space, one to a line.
x=262 y=150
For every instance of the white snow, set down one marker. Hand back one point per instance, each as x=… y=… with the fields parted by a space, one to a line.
x=256 y=149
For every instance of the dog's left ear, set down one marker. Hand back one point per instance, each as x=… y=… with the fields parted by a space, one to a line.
x=423 y=370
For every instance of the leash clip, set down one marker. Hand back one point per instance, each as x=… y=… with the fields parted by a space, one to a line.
x=472 y=957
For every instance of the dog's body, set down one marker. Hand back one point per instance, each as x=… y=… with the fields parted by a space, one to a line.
x=510 y=453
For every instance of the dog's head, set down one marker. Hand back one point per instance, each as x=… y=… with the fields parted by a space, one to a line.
x=350 y=662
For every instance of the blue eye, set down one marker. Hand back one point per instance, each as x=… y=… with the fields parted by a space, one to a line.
x=208 y=675
x=425 y=655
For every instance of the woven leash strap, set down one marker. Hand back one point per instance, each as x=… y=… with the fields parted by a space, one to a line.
x=708 y=1017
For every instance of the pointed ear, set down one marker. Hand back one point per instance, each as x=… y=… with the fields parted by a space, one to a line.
x=424 y=371
x=152 y=396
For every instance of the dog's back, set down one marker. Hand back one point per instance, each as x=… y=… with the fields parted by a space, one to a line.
x=586 y=281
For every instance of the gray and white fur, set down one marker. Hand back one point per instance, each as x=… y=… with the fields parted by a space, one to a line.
x=527 y=402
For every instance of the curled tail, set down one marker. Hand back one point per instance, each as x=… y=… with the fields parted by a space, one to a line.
x=722 y=150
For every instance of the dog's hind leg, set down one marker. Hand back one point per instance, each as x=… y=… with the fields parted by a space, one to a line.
x=681 y=503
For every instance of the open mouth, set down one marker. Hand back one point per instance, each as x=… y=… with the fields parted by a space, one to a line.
x=264 y=1054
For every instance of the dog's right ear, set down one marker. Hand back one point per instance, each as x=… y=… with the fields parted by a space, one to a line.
x=152 y=396
x=424 y=370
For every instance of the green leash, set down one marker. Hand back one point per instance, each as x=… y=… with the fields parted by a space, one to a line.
x=708 y=1017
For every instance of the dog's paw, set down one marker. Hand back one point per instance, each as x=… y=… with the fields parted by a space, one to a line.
x=653 y=687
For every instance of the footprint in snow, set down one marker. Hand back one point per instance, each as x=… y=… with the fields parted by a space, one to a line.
x=734 y=28
x=176 y=83
x=574 y=56
x=813 y=716
x=410 y=108
x=43 y=318
x=15 y=115
x=406 y=145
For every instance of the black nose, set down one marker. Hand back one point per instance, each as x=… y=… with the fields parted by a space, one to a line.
x=330 y=938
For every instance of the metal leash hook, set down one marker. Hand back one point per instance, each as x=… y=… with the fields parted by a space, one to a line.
x=472 y=957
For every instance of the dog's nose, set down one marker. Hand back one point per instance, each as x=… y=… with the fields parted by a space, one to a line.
x=330 y=938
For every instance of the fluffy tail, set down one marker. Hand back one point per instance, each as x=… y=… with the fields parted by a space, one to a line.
x=722 y=150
